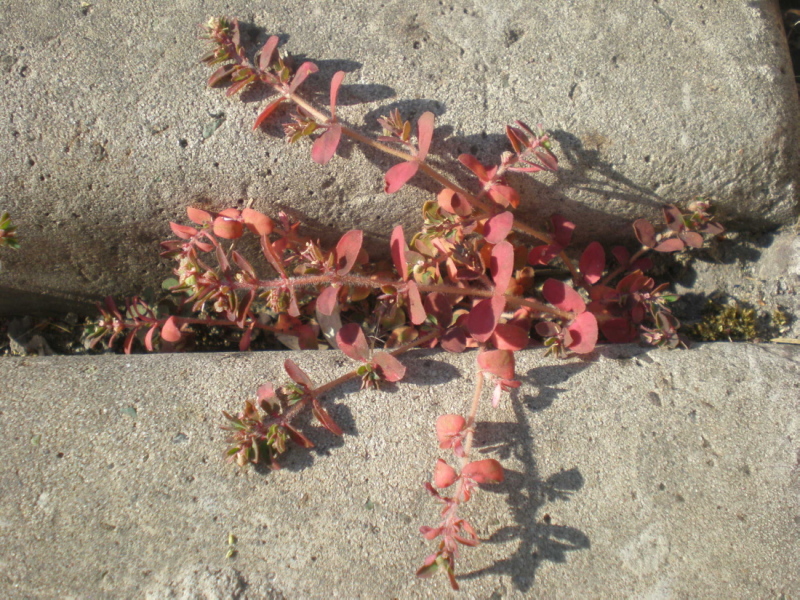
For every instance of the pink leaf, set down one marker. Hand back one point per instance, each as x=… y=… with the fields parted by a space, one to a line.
x=502 y=266
x=327 y=300
x=302 y=72
x=398 y=175
x=484 y=471
x=336 y=81
x=541 y=255
x=347 y=251
x=563 y=296
x=483 y=317
x=265 y=391
x=593 y=262
x=227 y=228
x=443 y=474
x=619 y=331
x=267 y=112
x=324 y=146
x=196 y=215
x=257 y=222
x=583 y=331
x=670 y=245
x=148 y=338
x=296 y=373
x=390 y=368
x=693 y=239
x=243 y=264
x=622 y=255
x=645 y=232
x=244 y=343
x=220 y=75
x=504 y=195
x=424 y=134
x=170 y=332
x=324 y=418
x=267 y=53
x=510 y=337
x=351 y=340
x=497 y=362
x=454 y=203
x=498 y=227
x=474 y=165
x=447 y=427
x=673 y=218
x=454 y=340
x=127 y=346
x=398 y=250
x=562 y=230
x=416 y=307
x=182 y=231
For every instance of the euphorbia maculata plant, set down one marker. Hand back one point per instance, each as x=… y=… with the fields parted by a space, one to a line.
x=467 y=279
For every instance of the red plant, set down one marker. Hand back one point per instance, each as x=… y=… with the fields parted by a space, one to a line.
x=461 y=282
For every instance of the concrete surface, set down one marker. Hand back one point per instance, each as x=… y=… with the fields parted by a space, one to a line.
x=108 y=131
x=639 y=474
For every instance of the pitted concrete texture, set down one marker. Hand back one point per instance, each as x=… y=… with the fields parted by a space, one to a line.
x=639 y=474
x=108 y=132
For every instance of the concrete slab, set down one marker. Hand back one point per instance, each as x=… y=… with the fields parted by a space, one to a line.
x=642 y=473
x=108 y=132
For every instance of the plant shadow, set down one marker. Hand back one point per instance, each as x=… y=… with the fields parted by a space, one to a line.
x=527 y=492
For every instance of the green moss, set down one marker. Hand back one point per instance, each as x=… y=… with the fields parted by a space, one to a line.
x=726 y=322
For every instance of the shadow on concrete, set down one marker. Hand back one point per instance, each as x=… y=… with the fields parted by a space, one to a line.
x=527 y=493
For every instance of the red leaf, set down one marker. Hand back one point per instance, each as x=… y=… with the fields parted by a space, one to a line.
x=390 y=368
x=265 y=391
x=128 y=345
x=336 y=81
x=670 y=245
x=622 y=255
x=484 y=471
x=244 y=343
x=583 y=331
x=324 y=418
x=454 y=340
x=541 y=255
x=693 y=239
x=242 y=263
x=416 y=307
x=510 y=337
x=326 y=301
x=227 y=228
x=593 y=262
x=454 y=203
x=645 y=232
x=504 y=195
x=148 y=338
x=563 y=296
x=619 y=331
x=474 y=165
x=497 y=362
x=398 y=250
x=257 y=222
x=170 y=332
x=267 y=112
x=502 y=266
x=351 y=340
x=398 y=175
x=267 y=53
x=196 y=215
x=483 y=317
x=302 y=72
x=347 y=251
x=240 y=84
x=184 y=231
x=220 y=75
x=448 y=426
x=673 y=218
x=244 y=308
x=324 y=146
x=498 y=227
x=562 y=230
x=443 y=474
x=424 y=134
x=296 y=373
